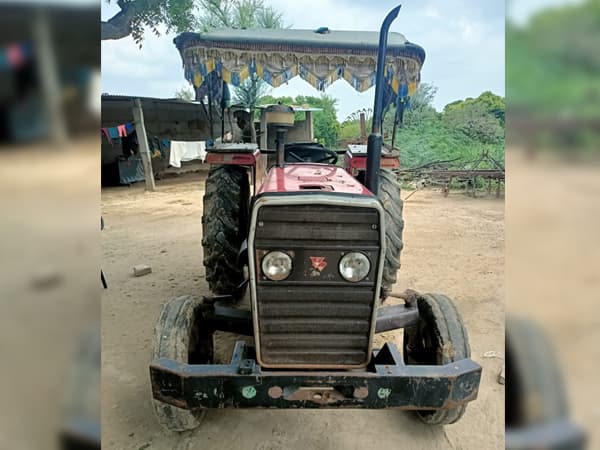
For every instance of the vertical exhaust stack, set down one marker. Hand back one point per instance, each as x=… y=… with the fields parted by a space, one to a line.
x=375 y=140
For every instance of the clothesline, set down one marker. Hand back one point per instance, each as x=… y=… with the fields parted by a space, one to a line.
x=117 y=132
x=179 y=150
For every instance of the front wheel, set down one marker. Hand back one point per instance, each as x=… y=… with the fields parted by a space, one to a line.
x=439 y=338
x=176 y=337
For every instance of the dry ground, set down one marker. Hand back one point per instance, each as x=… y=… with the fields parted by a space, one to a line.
x=454 y=245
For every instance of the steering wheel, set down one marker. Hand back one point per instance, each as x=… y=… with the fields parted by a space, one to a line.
x=331 y=157
x=296 y=157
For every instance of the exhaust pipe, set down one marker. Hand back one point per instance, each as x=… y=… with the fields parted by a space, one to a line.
x=375 y=140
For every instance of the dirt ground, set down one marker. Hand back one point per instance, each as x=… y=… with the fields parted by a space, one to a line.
x=453 y=245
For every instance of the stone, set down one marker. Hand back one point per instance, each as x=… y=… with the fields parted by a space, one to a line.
x=141 y=269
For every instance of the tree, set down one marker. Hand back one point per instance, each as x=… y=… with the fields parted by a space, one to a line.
x=135 y=15
x=185 y=15
x=492 y=103
x=249 y=95
x=421 y=106
x=242 y=14
x=326 y=126
x=476 y=121
x=185 y=93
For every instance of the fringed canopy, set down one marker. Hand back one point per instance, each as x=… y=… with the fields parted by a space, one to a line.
x=320 y=58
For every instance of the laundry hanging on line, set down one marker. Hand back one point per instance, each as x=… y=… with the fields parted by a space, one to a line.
x=176 y=151
x=120 y=131
x=186 y=151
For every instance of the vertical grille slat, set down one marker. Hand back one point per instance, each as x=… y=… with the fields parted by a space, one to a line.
x=312 y=323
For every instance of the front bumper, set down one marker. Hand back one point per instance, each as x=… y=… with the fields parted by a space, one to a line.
x=386 y=383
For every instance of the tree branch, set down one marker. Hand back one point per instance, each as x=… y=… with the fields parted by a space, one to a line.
x=119 y=26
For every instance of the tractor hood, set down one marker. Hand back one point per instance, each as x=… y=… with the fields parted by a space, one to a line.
x=307 y=178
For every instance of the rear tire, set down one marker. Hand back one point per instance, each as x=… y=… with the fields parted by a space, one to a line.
x=175 y=337
x=224 y=227
x=439 y=338
x=389 y=195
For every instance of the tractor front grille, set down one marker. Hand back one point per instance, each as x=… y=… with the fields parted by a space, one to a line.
x=315 y=318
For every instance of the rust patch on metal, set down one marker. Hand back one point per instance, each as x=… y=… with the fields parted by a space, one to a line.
x=319 y=395
x=361 y=392
x=275 y=392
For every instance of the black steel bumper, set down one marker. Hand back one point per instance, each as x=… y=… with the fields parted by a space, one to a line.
x=386 y=383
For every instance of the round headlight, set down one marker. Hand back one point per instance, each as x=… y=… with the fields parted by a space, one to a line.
x=277 y=266
x=354 y=266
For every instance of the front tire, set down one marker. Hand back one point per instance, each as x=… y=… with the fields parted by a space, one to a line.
x=224 y=227
x=176 y=338
x=439 y=338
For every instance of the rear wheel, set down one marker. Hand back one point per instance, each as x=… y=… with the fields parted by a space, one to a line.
x=177 y=337
x=389 y=195
x=439 y=338
x=224 y=227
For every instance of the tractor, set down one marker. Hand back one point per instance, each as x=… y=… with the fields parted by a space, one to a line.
x=316 y=247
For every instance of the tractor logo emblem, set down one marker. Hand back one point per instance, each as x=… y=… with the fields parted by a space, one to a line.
x=318 y=263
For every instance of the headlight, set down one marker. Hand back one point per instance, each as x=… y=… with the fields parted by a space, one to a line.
x=277 y=265
x=354 y=266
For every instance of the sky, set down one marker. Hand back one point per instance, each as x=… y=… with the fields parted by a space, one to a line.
x=463 y=39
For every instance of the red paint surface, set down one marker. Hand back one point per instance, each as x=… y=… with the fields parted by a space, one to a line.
x=311 y=178
x=240 y=159
x=360 y=163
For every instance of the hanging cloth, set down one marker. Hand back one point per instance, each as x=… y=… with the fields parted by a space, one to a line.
x=122 y=131
x=113 y=132
x=106 y=133
x=186 y=151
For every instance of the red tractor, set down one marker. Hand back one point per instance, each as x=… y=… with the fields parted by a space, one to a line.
x=318 y=248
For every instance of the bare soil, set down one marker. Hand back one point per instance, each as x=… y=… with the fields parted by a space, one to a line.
x=453 y=245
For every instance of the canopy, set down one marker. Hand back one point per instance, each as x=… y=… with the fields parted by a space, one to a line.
x=319 y=57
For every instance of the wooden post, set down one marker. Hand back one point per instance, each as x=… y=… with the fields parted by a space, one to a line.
x=263 y=143
x=263 y=129
x=311 y=129
x=363 y=128
x=138 y=119
x=48 y=75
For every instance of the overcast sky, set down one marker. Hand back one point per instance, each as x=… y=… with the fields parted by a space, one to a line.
x=464 y=41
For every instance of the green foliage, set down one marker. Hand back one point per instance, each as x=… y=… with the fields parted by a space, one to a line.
x=238 y=14
x=326 y=126
x=553 y=62
x=185 y=93
x=475 y=121
x=136 y=15
x=187 y=15
x=487 y=102
x=250 y=92
x=462 y=131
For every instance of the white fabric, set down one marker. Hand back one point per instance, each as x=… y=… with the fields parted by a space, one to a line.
x=186 y=151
